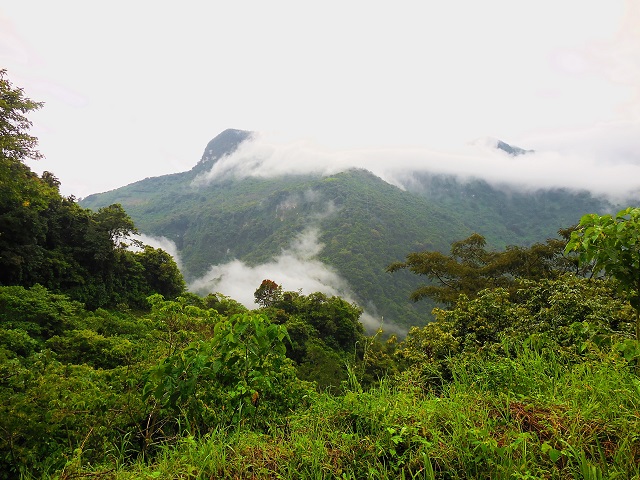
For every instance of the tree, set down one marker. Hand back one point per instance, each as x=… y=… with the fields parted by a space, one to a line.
x=464 y=271
x=15 y=143
x=612 y=245
x=117 y=224
x=227 y=378
x=268 y=293
x=574 y=313
x=161 y=272
x=23 y=196
x=471 y=268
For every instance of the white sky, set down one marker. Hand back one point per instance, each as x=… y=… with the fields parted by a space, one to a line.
x=137 y=88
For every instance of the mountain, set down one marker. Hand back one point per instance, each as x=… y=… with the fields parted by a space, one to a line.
x=353 y=222
x=511 y=149
x=223 y=144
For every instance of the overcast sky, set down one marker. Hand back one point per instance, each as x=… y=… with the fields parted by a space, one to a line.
x=137 y=88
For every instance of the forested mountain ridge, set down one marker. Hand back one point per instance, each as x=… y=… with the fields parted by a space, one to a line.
x=530 y=370
x=363 y=223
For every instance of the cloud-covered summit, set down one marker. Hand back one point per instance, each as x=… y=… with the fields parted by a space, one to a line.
x=223 y=144
x=604 y=160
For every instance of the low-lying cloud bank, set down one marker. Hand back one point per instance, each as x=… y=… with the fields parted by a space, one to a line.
x=295 y=269
x=604 y=160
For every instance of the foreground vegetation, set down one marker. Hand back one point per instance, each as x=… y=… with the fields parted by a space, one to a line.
x=110 y=369
x=538 y=383
x=523 y=417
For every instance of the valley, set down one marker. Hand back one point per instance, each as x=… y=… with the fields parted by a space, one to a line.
x=358 y=224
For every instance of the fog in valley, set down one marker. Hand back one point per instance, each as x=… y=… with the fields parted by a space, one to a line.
x=296 y=268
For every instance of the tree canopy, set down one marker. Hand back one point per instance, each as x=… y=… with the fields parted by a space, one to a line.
x=16 y=144
x=612 y=245
x=471 y=267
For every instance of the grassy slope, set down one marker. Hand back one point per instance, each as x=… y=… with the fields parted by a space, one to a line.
x=530 y=416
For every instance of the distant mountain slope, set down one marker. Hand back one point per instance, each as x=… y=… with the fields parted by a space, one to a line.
x=363 y=222
x=507 y=216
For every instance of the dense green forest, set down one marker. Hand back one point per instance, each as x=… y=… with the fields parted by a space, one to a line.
x=110 y=369
x=253 y=219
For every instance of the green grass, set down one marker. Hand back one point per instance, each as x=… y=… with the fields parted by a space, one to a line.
x=533 y=415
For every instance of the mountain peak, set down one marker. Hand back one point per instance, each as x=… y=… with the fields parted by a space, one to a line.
x=511 y=149
x=223 y=144
x=491 y=143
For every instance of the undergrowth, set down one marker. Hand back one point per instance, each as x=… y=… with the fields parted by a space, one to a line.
x=529 y=414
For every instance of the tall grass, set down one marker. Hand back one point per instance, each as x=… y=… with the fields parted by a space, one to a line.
x=529 y=413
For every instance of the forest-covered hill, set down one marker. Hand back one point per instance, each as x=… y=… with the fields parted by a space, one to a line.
x=110 y=370
x=363 y=223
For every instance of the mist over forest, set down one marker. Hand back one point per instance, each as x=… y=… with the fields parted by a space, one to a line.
x=318 y=220
x=279 y=311
x=330 y=240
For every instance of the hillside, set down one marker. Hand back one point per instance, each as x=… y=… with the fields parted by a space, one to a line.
x=110 y=369
x=362 y=223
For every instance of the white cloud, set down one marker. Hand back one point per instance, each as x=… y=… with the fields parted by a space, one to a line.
x=619 y=57
x=163 y=243
x=433 y=74
x=295 y=269
x=604 y=159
